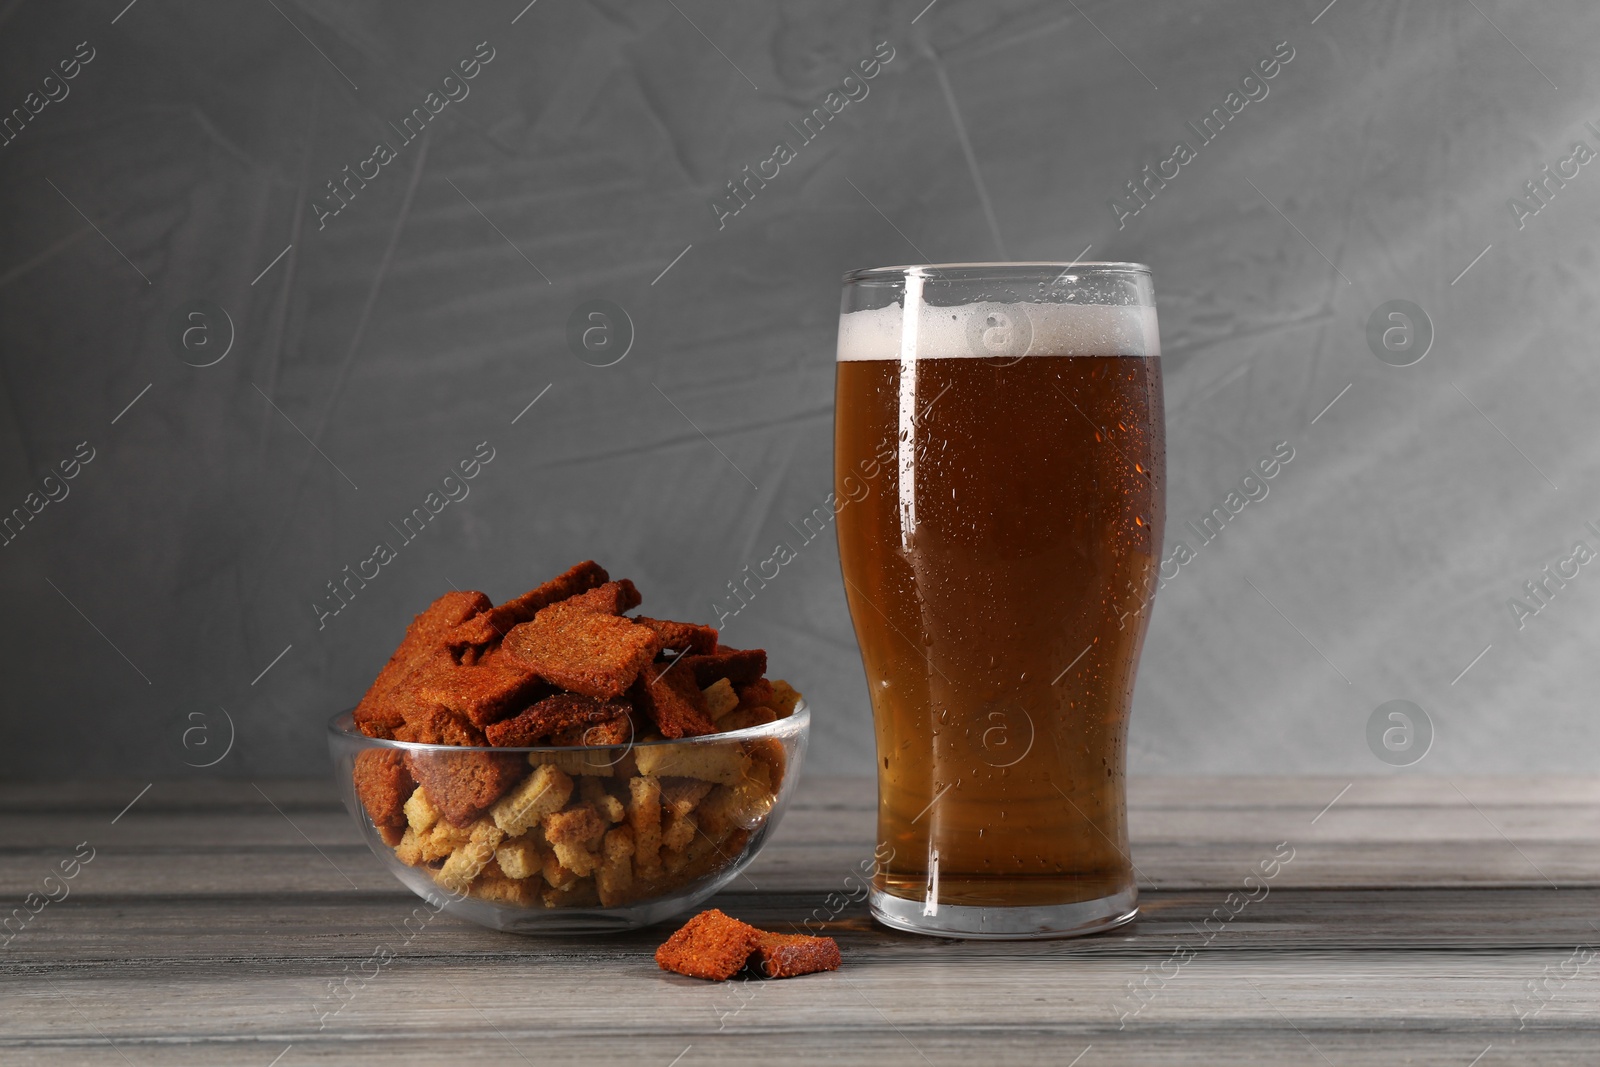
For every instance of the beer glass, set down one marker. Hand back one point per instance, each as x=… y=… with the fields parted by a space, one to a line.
x=999 y=467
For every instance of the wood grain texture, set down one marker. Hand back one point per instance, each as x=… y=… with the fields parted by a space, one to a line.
x=1405 y=929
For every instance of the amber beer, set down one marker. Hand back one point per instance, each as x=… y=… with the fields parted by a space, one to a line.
x=999 y=574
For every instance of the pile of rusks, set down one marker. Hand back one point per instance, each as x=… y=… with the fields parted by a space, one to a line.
x=595 y=814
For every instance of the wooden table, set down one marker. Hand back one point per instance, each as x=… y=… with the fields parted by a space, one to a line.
x=1419 y=921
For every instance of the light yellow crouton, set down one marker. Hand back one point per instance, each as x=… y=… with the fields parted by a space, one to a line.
x=742 y=805
x=611 y=809
x=702 y=856
x=558 y=876
x=468 y=861
x=442 y=840
x=784 y=698
x=618 y=845
x=594 y=794
x=409 y=850
x=503 y=890
x=614 y=879
x=720 y=698
x=519 y=858
x=644 y=817
x=724 y=763
x=574 y=835
x=579 y=824
x=769 y=750
x=678 y=832
x=680 y=795
x=542 y=792
x=420 y=812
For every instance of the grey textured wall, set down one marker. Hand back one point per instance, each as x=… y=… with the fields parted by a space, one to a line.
x=420 y=320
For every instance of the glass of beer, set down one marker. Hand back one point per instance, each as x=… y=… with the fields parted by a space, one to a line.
x=999 y=467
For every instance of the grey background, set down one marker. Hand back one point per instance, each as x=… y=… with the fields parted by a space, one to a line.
x=192 y=547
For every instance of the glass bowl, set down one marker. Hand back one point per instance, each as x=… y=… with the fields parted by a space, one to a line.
x=567 y=843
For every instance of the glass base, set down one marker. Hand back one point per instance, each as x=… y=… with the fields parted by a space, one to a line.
x=1013 y=923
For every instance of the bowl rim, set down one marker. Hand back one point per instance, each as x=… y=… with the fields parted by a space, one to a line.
x=797 y=722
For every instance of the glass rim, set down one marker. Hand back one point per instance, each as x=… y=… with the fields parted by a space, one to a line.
x=979 y=269
x=797 y=721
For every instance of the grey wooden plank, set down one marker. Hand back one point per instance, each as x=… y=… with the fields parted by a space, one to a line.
x=144 y=935
x=1045 y=1046
x=207 y=932
x=610 y=1005
x=111 y=795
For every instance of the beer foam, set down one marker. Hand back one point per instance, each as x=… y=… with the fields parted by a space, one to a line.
x=989 y=330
